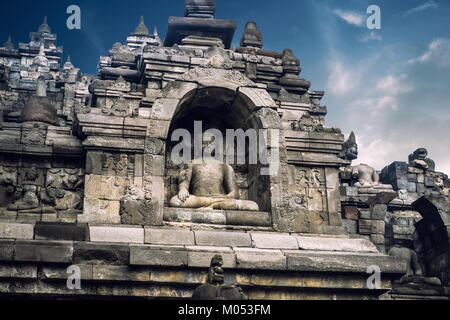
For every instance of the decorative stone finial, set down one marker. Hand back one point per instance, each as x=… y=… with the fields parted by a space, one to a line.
x=68 y=64
x=39 y=107
x=252 y=37
x=349 y=148
x=44 y=28
x=200 y=8
x=141 y=29
x=9 y=44
x=418 y=159
x=40 y=60
x=291 y=68
x=289 y=59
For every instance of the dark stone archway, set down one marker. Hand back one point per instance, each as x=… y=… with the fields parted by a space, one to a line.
x=433 y=232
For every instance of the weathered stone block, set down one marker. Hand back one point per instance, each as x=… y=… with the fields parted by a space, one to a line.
x=119 y=273
x=20 y=271
x=94 y=162
x=351 y=226
x=100 y=211
x=332 y=178
x=169 y=237
x=61 y=231
x=60 y=272
x=43 y=251
x=351 y=212
x=222 y=238
x=257 y=98
x=116 y=234
x=158 y=129
x=273 y=241
x=371 y=226
x=203 y=259
x=335 y=244
x=248 y=218
x=260 y=260
x=147 y=256
x=101 y=253
x=364 y=214
x=351 y=191
x=16 y=231
x=378 y=211
x=420 y=188
x=412 y=187
x=6 y=250
x=105 y=187
x=163 y=109
x=377 y=239
x=343 y=263
x=154 y=165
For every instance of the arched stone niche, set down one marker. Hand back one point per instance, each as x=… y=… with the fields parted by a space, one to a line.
x=434 y=235
x=222 y=99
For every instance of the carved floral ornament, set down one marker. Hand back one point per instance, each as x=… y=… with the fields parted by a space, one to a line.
x=216 y=67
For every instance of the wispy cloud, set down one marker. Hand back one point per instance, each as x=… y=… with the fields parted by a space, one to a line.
x=342 y=79
x=385 y=96
x=351 y=17
x=394 y=85
x=371 y=36
x=438 y=52
x=424 y=6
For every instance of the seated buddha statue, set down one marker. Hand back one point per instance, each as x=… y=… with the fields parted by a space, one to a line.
x=209 y=184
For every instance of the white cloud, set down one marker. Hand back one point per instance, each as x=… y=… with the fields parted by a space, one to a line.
x=394 y=85
x=372 y=36
x=342 y=79
x=425 y=6
x=438 y=51
x=386 y=95
x=378 y=153
x=350 y=17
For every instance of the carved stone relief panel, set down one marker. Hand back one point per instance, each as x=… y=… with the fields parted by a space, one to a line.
x=307 y=193
x=118 y=164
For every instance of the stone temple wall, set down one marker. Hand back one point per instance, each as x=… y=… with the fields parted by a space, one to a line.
x=86 y=177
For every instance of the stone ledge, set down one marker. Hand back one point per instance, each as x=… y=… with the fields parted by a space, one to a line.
x=196 y=256
x=43 y=251
x=117 y=234
x=218 y=217
x=318 y=262
x=61 y=231
x=220 y=238
x=336 y=244
x=273 y=241
x=16 y=231
x=169 y=236
x=145 y=256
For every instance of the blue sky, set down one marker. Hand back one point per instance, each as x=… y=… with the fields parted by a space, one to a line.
x=390 y=86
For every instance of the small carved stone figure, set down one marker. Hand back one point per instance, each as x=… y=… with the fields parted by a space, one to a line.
x=215 y=289
x=419 y=159
x=365 y=175
x=26 y=198
x=414 y=270
x=349 y=148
